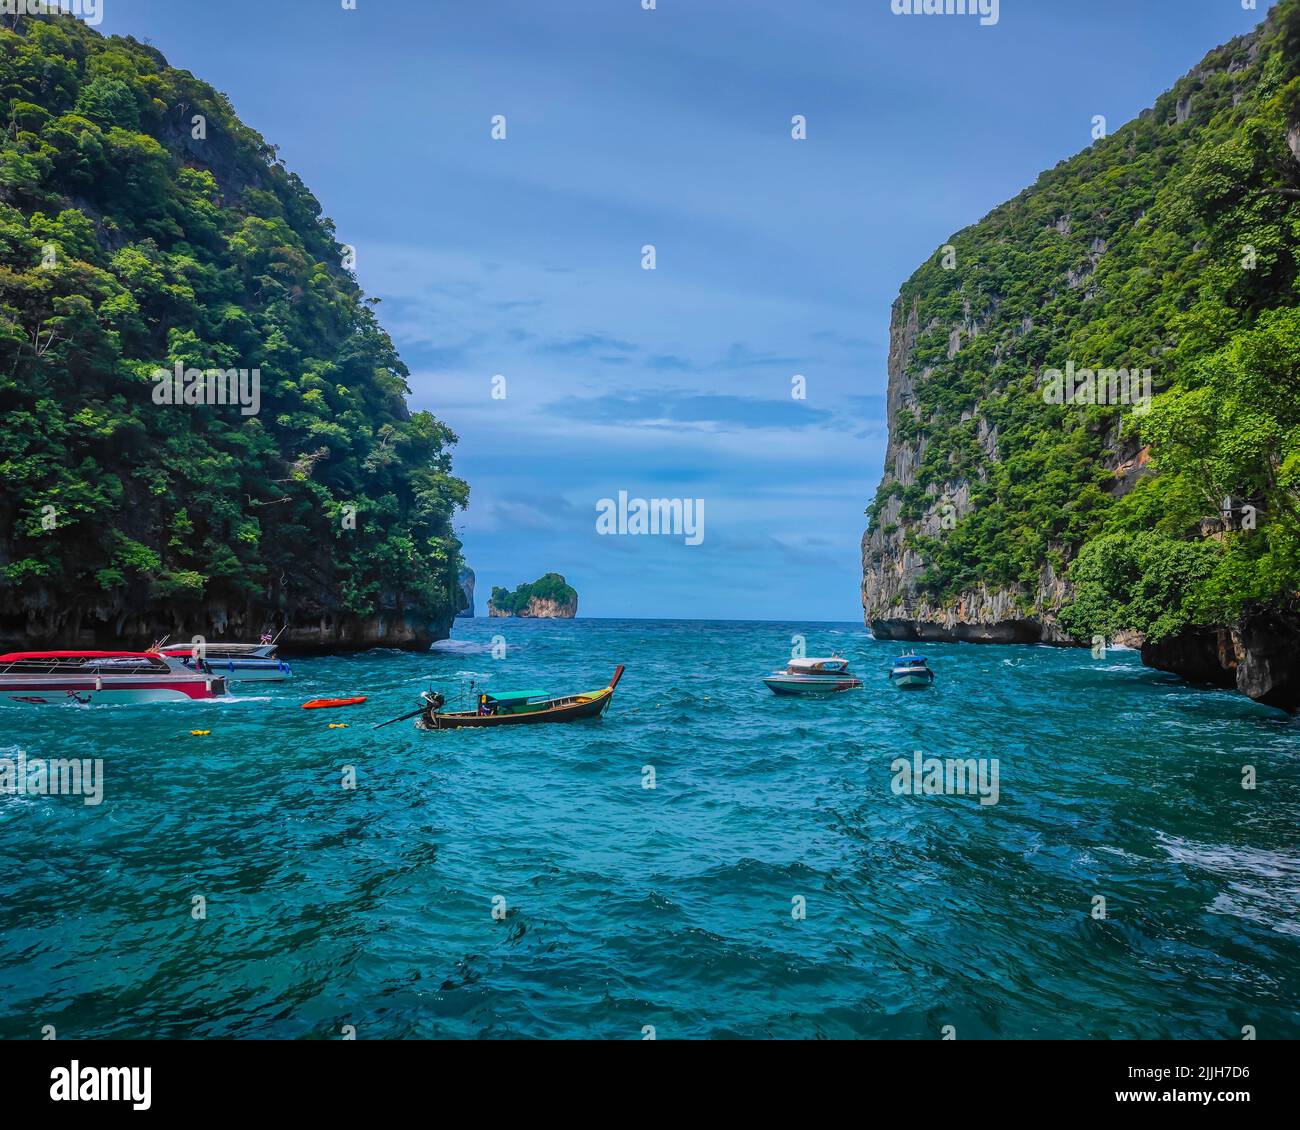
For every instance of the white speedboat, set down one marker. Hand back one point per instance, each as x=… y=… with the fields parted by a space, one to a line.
x=911 y=671
x=238 y=662
x=43 y=678
x=813 y=677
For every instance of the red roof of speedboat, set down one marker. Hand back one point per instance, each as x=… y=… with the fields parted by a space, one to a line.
x=16 y=656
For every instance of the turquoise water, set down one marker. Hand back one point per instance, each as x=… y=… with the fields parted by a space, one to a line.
x=626 y=907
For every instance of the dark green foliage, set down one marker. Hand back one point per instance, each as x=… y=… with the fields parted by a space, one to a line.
x=1170 y=246
x=128 y=244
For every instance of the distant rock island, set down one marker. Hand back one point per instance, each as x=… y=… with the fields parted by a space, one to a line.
x=550 y=598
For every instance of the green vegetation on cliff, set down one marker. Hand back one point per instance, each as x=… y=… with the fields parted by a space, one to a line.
x=551 y=587
x=142 y=226
x=1172 y=246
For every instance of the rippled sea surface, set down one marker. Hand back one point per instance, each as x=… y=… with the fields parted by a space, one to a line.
x=675 y=907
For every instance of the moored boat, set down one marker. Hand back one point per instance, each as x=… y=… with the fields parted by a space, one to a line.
x=238 y=662
x=518 y=708
x=333 y=703
x=911 y=671
x=43 y=678
x=813 y=677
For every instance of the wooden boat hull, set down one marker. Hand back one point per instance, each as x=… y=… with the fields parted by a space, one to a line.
x=575 y=708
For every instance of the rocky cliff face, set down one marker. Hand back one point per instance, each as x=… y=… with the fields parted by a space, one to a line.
x=894 y=603
x=1259 y=657
x=308 y=630
x=466 y=581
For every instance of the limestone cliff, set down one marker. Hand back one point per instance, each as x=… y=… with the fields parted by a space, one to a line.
x=895 y=603
x=1258 y=655
x=307 y=629
x=466 y=581
x=1010 y=513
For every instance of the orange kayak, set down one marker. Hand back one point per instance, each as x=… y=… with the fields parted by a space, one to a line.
x=327 y=703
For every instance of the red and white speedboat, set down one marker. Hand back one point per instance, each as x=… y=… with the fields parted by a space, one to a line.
x=43 y=678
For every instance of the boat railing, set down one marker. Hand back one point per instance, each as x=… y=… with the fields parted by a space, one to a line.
x=81 y=667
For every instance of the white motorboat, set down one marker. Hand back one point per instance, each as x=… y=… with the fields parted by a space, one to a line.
x=911 y=671
x=813 y=677
x=238 y=662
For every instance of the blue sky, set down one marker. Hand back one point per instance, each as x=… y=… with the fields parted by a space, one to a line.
x=669 y=127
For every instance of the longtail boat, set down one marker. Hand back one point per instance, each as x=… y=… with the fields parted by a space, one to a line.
x=519 y=708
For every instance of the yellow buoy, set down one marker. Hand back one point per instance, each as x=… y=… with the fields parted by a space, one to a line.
x=199 y=733
x=338 y=725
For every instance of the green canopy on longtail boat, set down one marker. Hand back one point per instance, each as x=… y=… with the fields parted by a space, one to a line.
x=515 y=696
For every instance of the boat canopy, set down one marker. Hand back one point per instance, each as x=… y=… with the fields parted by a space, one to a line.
x=815 y=665
x=515 y=696
x=914 y=660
